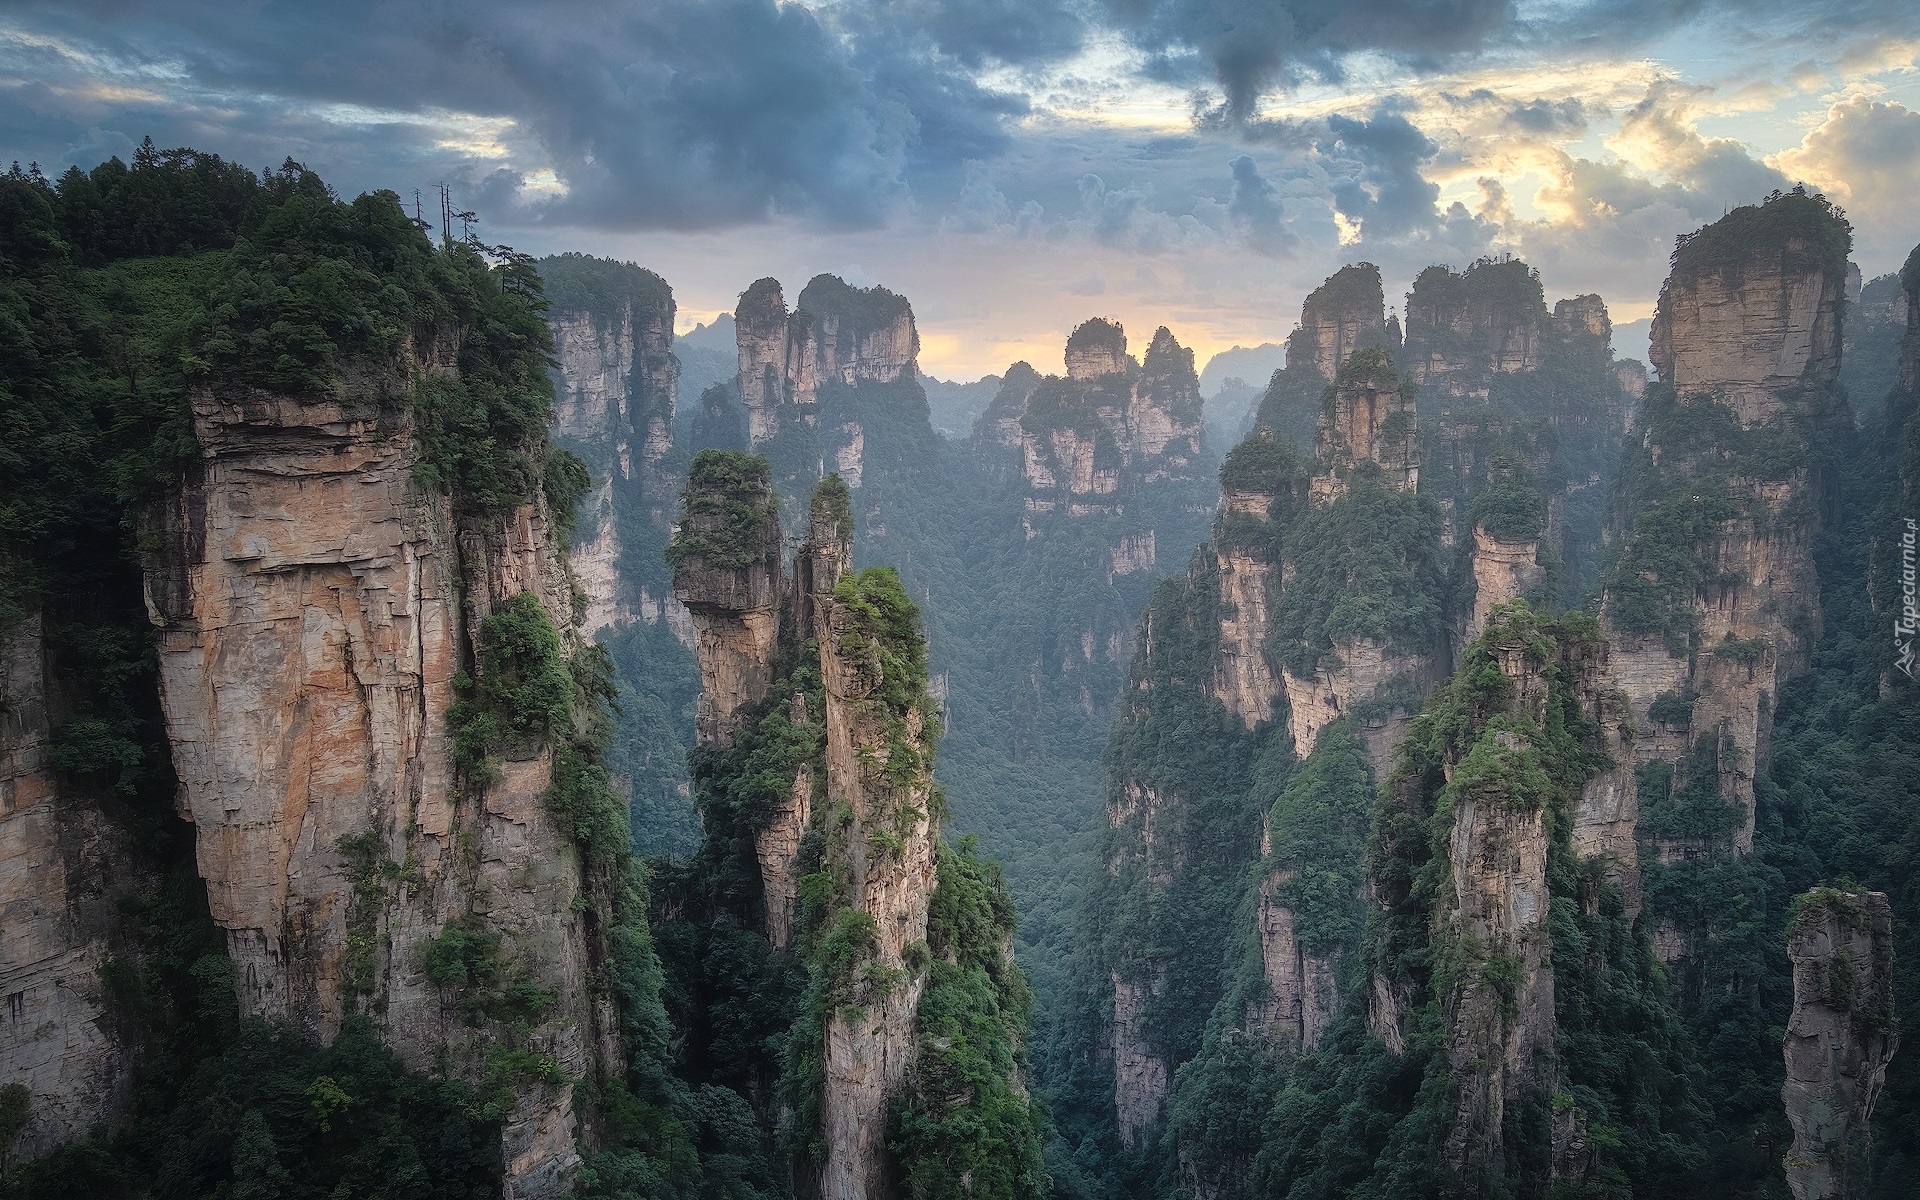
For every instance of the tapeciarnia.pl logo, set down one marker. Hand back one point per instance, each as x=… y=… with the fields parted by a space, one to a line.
x=1903 y=629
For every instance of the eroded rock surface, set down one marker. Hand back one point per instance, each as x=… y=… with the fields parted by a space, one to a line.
x=313 y=607
x=64 y=874
x=1839 y=1039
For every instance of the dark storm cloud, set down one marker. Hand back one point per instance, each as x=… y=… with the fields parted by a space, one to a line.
x=1254 y=203
x=683 y=114
x=975 y=32
x=1249 y=46
x=1388 y=194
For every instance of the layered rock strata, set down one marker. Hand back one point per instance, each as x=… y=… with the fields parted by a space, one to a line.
x=1110 y=426
x=314 y=607
x=836 y=334
x=1749 y=319
x=1839 y=1039
x=1463 y=329
x=728 y=575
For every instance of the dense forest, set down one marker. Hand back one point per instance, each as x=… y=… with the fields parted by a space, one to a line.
x=1490 y=777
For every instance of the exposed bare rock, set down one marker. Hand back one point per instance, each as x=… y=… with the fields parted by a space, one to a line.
x=1244 y=680
x=836 y=335
x=1303 y=988
x=760 y=332
x=1164 y=418
x=1749 y=318
x=64 y=874
x=1463 y=329
x=1140 y=1076
x=1086 y=440
x=1605 y=816
x=1344 y=314
x=1371 y=419
x=1500 y=1017
x=1585 y=314
x=1502 y=571
x=889 y=842
x=1364 y=671
x=1096 y=349
x=728 y=577
x=777 y=846
x=1753 y=331
x=1839 y=1039
x=314 y=606
x=1133 y=554
x=996 y=434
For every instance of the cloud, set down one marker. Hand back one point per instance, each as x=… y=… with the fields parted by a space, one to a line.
x=1659 y=135
x=1866 y=155
x=696 y=113
x=1255 y=208
x=1387 y=195
x=1249 y=46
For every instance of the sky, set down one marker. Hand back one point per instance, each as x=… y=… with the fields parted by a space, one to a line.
x=1016 y=166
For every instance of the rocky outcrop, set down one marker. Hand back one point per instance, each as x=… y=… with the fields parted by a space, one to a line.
x=1344 y=314
x=1111 y=425
x=1463 y=329
x=1500 y=1012
x=616 y=384
x=890 y=836
x=1303 y=992
x=996 y=434
x=1244 y=680
x=65 y=874
x=1749 y=319
x=727 y=573
x=1369 y=419
x=1140 y=1076
x=1755 y=325
x=836 y=334
x=314 y=607
x=1361 y=670
x=1839 y=1039
x=1503 y=570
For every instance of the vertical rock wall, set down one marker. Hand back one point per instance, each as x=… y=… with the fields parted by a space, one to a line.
x=1500 y=1013
x=732 y=593
x=313 y=607
x=890 y=837
x=64 y=875
x=1839 y=1039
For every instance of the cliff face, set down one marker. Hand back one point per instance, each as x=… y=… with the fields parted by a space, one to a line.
x=890 y=835
x=1463 y=329
x=615 y=388
x=1500 y=1016
x=1746 y=340
x=1244 y=680
x=996 y=434
x=835 y=335
x=1111 y=425
x=314 y=606
x=64 y=876
x=727 y=573
x=1753 y=331
x=1839 y=1039
x=847 y=845
x=1369 y=418
x=1368 y=424
x=1344 y=314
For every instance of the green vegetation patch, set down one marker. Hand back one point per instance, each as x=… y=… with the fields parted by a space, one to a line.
x=731 y=514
